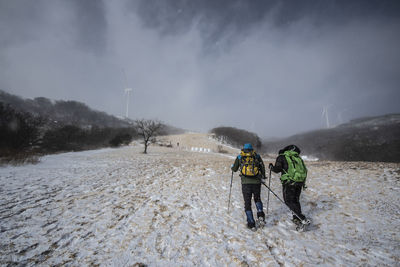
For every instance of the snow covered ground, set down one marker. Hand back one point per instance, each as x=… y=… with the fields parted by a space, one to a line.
x=119 y=207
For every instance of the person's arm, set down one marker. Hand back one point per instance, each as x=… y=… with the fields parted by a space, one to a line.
x=235 y=165
x=280 y=165
x=304 y=183
x=262 y=166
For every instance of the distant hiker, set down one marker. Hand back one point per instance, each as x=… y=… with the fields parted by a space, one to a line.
x=252 y=170
x=293 y=177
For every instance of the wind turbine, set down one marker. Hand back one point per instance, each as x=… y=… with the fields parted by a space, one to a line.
x=325 y=113
x=127 y=92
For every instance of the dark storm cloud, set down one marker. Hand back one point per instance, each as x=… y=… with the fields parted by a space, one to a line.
x=289 y=59
x=217 y=18
x=266 y=66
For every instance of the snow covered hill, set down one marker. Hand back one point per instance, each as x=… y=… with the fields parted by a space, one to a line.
x=119 y=207
x=374 y=139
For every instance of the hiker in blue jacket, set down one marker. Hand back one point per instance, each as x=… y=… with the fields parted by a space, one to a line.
x=252 y=170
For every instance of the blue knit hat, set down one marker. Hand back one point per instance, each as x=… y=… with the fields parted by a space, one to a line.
x=247 y=147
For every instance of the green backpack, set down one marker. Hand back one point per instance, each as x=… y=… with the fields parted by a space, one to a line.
x=297 y=171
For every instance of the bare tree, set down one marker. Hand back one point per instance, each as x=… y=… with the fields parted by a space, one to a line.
x=147 y=129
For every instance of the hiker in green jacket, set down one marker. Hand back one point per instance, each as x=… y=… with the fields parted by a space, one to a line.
x=252 y=170
x=293 y=177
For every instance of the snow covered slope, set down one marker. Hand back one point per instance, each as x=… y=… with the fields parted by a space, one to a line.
x=120 y=207
x=374 y=139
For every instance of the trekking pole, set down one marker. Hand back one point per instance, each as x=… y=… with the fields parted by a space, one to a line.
x=230 y=190
x=282 y=201
x=269 y=185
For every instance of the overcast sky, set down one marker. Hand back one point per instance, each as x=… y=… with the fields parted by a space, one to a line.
x=266 y=66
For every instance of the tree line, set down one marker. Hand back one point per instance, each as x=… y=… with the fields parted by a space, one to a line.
x=24 y=136
x=64 y=112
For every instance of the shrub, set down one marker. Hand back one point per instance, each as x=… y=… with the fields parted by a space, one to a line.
x=19 y=131
x=74 y=138
x=221 y=149
x=66 y=138
x=121 y=138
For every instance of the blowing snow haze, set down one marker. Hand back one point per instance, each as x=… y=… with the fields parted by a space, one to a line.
x=270 y=67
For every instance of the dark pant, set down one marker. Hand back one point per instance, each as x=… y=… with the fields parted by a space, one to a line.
x=291 y=195
x=248 y=191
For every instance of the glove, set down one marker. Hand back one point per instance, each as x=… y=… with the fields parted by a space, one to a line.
x=270 y=166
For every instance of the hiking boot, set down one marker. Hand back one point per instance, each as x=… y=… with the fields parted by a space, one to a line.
x=296 y=221
x=260 y=223
x=261 y=216
x=251 y=226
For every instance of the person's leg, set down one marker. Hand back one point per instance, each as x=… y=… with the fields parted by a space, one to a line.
x=247 y=194
x=257 y=200
x=291 y=196
x=284 y=192
x=297 y=192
